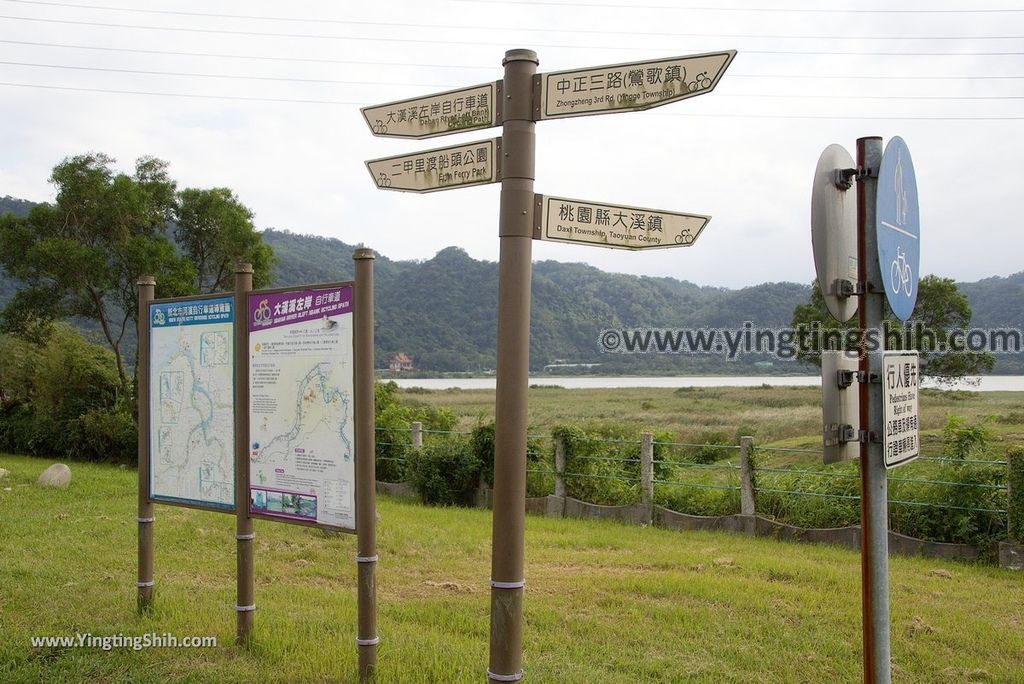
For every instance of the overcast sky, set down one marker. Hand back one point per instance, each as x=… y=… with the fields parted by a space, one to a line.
x=263 y=97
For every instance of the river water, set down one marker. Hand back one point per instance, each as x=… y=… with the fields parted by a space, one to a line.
x=988 y=383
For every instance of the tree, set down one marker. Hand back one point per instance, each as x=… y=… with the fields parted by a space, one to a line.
x=215 y=230
x=941 y=309
x=82 y=255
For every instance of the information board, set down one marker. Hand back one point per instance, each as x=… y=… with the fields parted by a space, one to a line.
x=191 y=402
x=301 y=430
x=900 y=382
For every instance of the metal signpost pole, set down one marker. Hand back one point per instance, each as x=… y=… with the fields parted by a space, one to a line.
x=366 y=492
x=245 y=600
x=145 y=518
x=515 y=232
x=874 y=486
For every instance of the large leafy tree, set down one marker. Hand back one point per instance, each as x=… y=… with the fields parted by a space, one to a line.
x=82 y=255
x=216 y=232
x=941 y=308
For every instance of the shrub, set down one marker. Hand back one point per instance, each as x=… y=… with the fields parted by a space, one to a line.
x=393 y=421
x=962 y=440
x=716 y=446
x=482 y=441
x=445 y=472
x=1015 y=507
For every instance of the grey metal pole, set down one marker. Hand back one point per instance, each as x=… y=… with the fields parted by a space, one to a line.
x=366 y=475
x=515 y=230
x=245 y=536
x=874 y=486
x=145 y=518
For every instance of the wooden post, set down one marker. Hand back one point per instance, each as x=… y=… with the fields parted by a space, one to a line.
x=559 y=467
x=417 y=435
x=366 y=475
x=647 y=475
x=747 y=505
x=145 y=518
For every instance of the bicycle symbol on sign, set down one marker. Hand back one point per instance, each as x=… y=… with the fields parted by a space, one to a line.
x=384 y=181
x=699 y=83
x=684 y=238
x=901 y=275
x=380 y=127
x=262 y=312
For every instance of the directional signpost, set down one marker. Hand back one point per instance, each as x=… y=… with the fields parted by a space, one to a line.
x=612 y=225
x=899 y=228
x=446 y=168
x=455 y=111
x=527 y=97
x=630 y=87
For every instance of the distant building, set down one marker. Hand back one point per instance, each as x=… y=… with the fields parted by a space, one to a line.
x=401 y=362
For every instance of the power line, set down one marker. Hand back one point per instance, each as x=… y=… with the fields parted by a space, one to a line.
x=743 y=9
x=452 y=85
x=159 y=94
x=362 y=104
x=224 y=76
x=355 y=22
x=272 y=34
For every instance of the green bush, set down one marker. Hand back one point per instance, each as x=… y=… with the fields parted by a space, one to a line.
x=716 y=446
x=393 y=437
x=482 y=440
x=445 y=472
x=109 y=434
x=1015 y=512
x=964 y=441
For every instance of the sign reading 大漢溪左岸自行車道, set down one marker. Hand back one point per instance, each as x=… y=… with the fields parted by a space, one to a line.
x=446 y=168
x=901 y=375
x=560 y=219
x=631 y=86
x=455 y=111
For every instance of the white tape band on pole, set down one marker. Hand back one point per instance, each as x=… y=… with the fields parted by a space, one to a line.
x=245 y=609
x=505 y=678
x=508 y=585
x=142 y=585
x=146 y=520
x=368 y=642
x=245 y=537
x=367 y=559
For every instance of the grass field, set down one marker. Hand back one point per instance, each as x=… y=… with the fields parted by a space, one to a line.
x=604 y=603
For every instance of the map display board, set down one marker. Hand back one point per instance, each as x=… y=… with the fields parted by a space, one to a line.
x=191 y=402
x=301 y=429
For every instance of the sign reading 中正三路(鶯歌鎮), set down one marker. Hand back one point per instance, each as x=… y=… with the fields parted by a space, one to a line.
x=455 y=111
x=901 y=375
x=192 y=402
x=301 y=429
x=446 y=168
x=631 y=86
x=561 y=219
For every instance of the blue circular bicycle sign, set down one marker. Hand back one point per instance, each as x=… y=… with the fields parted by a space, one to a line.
x=899 y=228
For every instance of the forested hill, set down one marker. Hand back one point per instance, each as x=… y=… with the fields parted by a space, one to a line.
x=442 y=313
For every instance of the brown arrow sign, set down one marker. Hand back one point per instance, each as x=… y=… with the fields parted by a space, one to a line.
x=455 y=111
x=445 y=168
x=629 y=87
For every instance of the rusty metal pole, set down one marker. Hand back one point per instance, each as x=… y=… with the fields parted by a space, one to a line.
x=145 y=518
x=874 y=504
x=245 y=536
x=515 y=231
x=366 y=476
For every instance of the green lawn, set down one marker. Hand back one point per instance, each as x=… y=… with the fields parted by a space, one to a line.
x=604 y=602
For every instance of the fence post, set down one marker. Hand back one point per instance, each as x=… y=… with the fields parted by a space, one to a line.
x=556 y=503
x=417 y=435
x=1011 y=552
x=747 y=506
x=647 y=476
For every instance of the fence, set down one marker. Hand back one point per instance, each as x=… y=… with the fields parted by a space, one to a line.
x=936 y=503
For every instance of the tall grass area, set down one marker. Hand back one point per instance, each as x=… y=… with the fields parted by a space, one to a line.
x=604 y=602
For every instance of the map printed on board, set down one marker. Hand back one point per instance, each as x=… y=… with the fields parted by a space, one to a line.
x=301 y=432
x=192 y=402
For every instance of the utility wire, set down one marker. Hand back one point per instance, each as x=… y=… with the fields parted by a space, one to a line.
x=158 y=94
x=743 y=9
x=356 y=22
x=454 y=85
x=374 y=39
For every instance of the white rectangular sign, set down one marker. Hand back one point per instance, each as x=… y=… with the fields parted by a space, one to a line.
x=455 y=111
x=632 y=86
x=301 y=427
x=561 y=219
x=192 y=402
x=446 y=168
x=901 y=373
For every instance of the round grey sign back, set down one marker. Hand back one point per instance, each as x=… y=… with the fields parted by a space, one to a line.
x=834 y=231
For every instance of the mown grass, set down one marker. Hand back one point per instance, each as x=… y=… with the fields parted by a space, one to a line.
x=604 y=602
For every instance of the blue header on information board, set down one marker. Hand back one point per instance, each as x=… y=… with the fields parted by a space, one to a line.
x=192 y=312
